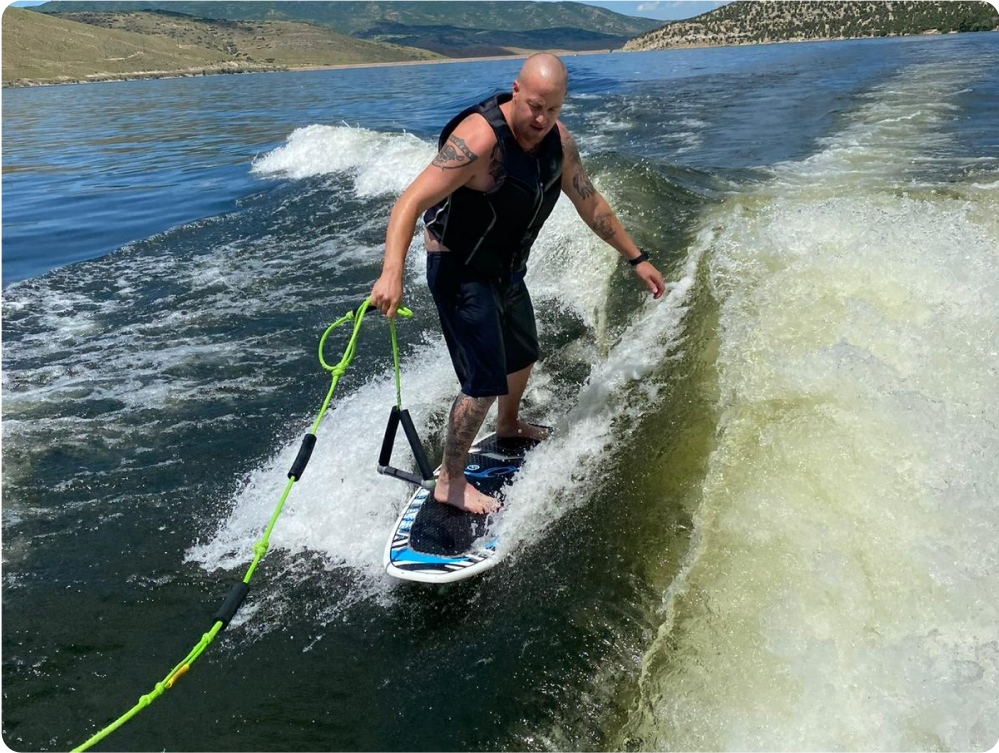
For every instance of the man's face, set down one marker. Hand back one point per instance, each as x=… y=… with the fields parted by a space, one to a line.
x=536 y=106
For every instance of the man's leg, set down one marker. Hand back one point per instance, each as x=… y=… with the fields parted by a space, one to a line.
x=508 y=423
x=467 y=415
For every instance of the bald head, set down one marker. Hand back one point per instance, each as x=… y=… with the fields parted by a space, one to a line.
x=537 y=99
x=544 y=72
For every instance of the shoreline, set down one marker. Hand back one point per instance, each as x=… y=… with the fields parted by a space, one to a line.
x=102 y=78
x=441 y=61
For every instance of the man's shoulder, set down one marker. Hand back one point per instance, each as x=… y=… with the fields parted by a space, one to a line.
x=476 y=132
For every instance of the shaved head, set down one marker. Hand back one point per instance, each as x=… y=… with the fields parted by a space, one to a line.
x=538 y=93
x=544 y=71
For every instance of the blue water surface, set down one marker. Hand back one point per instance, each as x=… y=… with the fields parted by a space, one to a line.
x=90 y=168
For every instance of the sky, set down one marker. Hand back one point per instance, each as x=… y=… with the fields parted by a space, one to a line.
x=663 y=10
x=666 y=10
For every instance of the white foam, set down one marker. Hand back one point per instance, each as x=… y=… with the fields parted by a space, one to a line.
x=380 y=163
x=341 y=508
x=839 y=590
x=877 y=141
x=544 y=491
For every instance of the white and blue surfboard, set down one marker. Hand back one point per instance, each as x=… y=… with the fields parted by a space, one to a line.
x=438 y=543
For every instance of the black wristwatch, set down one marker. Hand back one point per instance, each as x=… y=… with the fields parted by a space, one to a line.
x=642 y=256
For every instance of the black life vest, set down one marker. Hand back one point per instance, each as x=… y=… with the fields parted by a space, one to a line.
x=493 y=231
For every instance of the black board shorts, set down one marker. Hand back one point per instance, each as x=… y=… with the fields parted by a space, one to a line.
x=488 y=324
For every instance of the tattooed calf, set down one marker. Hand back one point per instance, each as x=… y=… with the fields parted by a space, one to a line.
x=467 y=414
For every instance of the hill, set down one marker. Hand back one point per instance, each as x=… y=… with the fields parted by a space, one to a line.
x=40 y=48
x=285 y=43
x=453 y=41
x=469 y=27
x=764 y=21
x=37 y=48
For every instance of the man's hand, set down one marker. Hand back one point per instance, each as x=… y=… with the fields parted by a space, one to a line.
x=651 y=277
x=386 y=295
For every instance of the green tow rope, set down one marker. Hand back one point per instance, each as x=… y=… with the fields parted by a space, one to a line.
x=228 y=609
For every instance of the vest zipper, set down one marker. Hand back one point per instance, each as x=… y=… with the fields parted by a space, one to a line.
x=483 y=236
x=541 y=196
x=540 y=201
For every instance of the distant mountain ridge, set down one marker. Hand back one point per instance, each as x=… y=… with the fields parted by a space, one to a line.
x=455 y=28
x=765 y=21
x=456 y=41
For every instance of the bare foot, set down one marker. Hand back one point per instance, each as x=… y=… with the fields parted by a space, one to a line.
x=465 y=497
x=522 y=430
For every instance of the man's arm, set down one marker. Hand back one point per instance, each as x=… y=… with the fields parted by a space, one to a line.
x=596 y=212
x=464 y=155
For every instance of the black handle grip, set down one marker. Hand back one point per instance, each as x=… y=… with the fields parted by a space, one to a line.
x=231 y=604
x=393 y=424
x=304 y=453
x=414 y=442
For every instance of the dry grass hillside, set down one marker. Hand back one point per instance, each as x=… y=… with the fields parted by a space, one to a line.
x=284 y=42
x=40 y=48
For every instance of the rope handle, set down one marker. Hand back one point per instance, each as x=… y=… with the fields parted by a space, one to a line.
x=337 y=371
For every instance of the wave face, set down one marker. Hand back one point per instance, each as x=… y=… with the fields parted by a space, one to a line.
x=764 y=521
x=839 y=588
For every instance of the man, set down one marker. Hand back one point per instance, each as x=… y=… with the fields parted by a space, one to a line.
x=501 y=168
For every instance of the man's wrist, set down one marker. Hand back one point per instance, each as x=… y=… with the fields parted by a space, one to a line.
x=642 y=256
x=393 y=271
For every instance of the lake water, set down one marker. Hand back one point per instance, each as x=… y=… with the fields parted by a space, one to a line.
x=766 y=519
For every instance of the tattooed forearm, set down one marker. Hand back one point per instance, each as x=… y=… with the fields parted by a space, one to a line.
x=454 y=155
x=583 y=185
x=603 y=225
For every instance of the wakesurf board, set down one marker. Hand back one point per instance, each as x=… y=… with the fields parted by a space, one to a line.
x=438 y=543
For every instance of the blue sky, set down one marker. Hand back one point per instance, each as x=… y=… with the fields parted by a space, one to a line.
x=663 y=10
x=666 y=10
